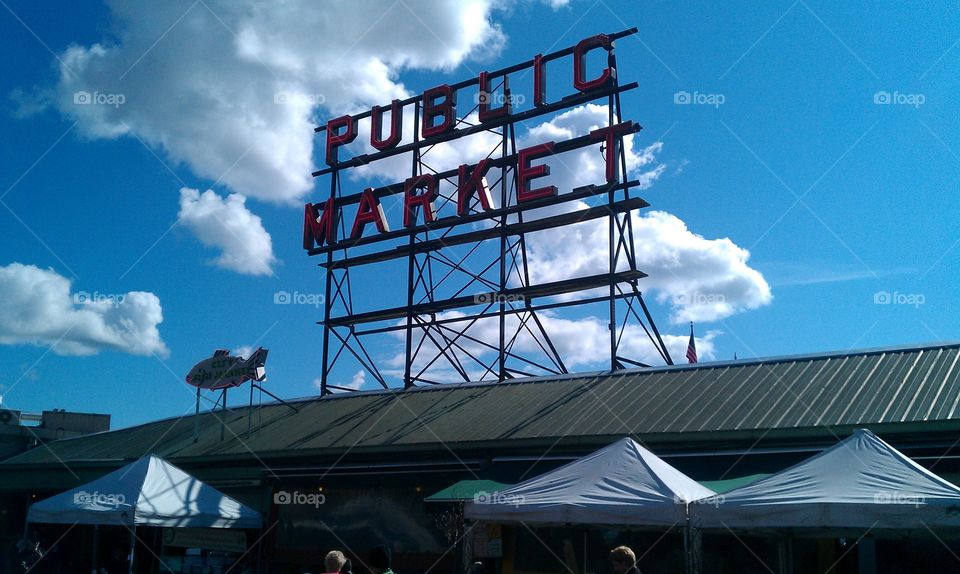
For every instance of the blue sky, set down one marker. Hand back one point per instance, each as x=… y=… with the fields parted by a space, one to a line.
x=836 y=195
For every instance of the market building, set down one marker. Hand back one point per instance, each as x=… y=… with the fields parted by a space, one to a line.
x=355 y=469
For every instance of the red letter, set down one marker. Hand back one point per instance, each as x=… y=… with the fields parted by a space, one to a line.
x=487 y=114
x=433 y=110
x=475 y=182
x=411 y=201
x=539 y=81
x=526 y=172
x=335 y=139
x=580 y=63
x=611 y=136
x=319 y=228
x=396 y=126
x=370 y=211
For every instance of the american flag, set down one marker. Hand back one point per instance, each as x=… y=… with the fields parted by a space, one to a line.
x=691 y=347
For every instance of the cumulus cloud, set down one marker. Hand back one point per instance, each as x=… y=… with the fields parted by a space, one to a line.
x=356 y=382
x=700 y=279
x=38 y=308
x=231 y=88
x=228 y=225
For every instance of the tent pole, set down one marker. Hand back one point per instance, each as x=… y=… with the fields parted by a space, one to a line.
x=584 y=551
x=223 y=424
x=692 y=546
x=133 y=547
x=96 y=547
x=250 y=410
x=26 y=518
x=196 y=418
x=867 y=555
x=687 y=566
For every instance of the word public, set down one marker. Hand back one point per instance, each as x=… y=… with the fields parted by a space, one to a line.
x=437 y=118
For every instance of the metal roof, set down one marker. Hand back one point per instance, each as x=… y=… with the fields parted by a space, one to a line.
x=747 y=398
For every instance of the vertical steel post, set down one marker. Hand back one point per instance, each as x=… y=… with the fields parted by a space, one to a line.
x=411 y=259
x=502 y=283
x=327 y=303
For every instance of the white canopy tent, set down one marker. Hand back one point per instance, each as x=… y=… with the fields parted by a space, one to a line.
x=621 y=484
x=860 y=483
x=147 y=492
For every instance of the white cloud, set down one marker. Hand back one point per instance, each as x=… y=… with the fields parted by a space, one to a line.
x=700 y=279
x=231 y=88
x=356 y=382
x=242 y=351
x=38 y=308
x=228 y=225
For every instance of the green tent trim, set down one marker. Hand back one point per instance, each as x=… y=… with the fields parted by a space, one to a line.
x=466 y=490
x=722 y=486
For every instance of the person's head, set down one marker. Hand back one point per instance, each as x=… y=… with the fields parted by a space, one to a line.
x=477 y=568
x=334 y=561
x=622 y=559
x=379 y=559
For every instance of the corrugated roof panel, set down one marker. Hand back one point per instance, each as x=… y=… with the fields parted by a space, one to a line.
x=872 y=402
x=739 y=398
x=905 y=390
x=943 y=407
x=870 y=375
x=808 y=407
x=803 y=383
x=886 y=395
x=683 y=398
x=784 y=379
x=657 y=395
x=912 y=402
x=855 y=378
x=857 y=388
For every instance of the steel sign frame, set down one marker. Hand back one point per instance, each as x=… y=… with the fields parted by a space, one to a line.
x=438 y=322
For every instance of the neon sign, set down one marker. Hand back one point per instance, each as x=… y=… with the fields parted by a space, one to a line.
x=437 y=111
